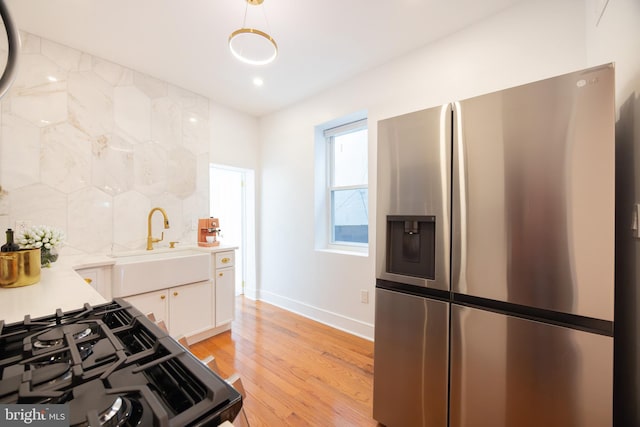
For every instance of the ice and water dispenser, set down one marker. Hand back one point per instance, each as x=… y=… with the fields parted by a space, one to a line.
x=411 y=245
x=413 y=203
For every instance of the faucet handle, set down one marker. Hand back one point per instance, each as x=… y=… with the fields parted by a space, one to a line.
x=155 y=240
x=172 y=245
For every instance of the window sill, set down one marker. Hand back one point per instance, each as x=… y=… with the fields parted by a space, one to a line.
x=356 y=252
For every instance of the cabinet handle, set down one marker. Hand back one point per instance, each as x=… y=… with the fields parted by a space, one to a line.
x=225 y=260
x=220 y=274
x=175 y=294
x=162 y=296
x=86 y=279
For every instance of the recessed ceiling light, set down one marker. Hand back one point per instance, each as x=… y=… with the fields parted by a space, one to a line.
x=258 y=81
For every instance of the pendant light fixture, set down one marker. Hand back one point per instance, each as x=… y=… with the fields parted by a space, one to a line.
x=251 y=45
x=13 y=41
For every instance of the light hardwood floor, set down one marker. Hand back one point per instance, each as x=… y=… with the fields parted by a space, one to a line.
x=295 y=371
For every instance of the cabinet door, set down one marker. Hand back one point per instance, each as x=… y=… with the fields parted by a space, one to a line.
x=225 y=295
x=99 y=278
x=190 y=309
x=155 y=302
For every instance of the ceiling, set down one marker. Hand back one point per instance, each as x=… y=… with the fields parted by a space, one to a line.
x=184 y=42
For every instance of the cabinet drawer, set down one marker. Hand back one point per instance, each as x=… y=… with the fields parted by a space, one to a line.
x=225 y=259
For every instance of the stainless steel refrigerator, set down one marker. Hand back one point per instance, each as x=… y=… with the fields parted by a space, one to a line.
x=495 y=259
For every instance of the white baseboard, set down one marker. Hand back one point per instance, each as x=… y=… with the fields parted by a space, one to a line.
x=338 y=321
x=251 y=293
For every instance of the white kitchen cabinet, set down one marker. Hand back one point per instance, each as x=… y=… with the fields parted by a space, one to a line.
x=185 y=310
x=225 y=295
x=99 y=278
x=225 y=280
x=224 y=259
x=196 y=310
x=190 y=310
x=156 y=302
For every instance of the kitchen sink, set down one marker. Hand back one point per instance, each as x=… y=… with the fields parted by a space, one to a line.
x=139 y=272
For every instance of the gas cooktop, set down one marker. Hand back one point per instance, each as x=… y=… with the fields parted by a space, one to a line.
x=112 y=366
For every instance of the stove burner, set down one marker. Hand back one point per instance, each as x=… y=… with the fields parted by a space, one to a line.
x=61 y=357
x=42 y=377
x=55 y=336
x=113 y=410
x=112 y=413
x=51 y=373
x=85 y=350
x=123 y=412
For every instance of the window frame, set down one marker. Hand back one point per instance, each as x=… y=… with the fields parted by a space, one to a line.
x=329 y=135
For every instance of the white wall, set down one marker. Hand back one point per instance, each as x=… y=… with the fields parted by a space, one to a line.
x=616 y=38
x=234 y=138
x=531 y=41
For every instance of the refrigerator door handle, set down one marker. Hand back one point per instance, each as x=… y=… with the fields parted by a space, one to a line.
x=459 y=208
x=445 y=162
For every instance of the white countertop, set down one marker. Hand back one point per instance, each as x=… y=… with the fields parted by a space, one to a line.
x=60 y=287
x=210 y=249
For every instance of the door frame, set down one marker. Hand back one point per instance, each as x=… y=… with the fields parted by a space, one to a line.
x=247 y=270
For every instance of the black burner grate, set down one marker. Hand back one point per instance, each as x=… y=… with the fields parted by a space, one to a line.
x=109 y=362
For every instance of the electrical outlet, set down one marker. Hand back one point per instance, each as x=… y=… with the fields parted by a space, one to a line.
x=364 y=296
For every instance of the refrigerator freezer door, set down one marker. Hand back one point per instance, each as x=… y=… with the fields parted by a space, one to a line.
x=508 y=371
x=414 y=181
x=533 y=195
x=411 y=357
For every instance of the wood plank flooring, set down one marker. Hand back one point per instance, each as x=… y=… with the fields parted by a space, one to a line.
x=296 y=372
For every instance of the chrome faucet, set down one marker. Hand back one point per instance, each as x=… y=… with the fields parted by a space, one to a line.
x=150 y=239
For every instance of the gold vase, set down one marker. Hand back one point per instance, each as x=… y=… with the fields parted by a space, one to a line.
x=20 y=268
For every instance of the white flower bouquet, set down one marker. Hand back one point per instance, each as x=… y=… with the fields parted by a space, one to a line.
x=44 y=237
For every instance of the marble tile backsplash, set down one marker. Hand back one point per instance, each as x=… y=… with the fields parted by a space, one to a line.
x=90 y=147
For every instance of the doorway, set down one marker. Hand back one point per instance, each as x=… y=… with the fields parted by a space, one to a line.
x=232 y=198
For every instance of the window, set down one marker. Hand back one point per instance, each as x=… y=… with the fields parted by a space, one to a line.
x=347 y=184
